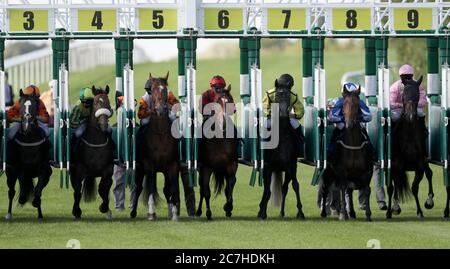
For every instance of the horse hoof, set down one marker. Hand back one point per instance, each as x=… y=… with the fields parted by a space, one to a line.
x=198 y=213
x=420 y=215
x=151 y=217
x=175 y=218
x=103 y=209
x=334 y=212
x=300 y=216
x=8 y=216
x=169 y=211
x=446 y=214
x=36 y=202
x=389 y=214
x=208 y=215
x=76 y=213
x=343 y=217
x=40 y=217
x=369 y=219
x=133 y=214
x=281 y=216
x=429 y=204
x=228 y=214
x=108 y=215
x=396 y=210
x=262 y=216
x=323 y=214
x=352 y=214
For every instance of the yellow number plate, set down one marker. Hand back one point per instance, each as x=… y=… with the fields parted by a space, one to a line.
x=286 y=19
x=97 y=20
x=28 y=20
x=352 y=19
x=224 y=19
x=413 y=19
x=158 y=19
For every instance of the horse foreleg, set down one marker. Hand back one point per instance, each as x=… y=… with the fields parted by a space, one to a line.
x=207 y=190
x=429 y=203
x=390 y=190
x=151 y=185
x=415 y=190
x=349 y=201
x=11 y=179
x=447 y=207
x=103 y=190
x=172 y=177
x=296 y=187
x=189 y=193
x=267 y=176
x=139 y=179
x=43 y=180
x=284 y=191
x=343 y=210
x=76 y=181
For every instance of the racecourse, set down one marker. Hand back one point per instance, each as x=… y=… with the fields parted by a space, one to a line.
x=243 y=230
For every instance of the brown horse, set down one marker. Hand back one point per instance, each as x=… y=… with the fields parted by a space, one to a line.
x=157 y=151
x=218 y=154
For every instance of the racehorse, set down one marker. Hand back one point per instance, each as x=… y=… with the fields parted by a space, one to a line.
x=94 y=156
x=352 y=165
x=158 y=152
x=218 y=154
x=409 y=152
x=28 y=157
x=281 y=159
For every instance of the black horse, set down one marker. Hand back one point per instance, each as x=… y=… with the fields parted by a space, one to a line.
x=218 y=154
x=281 y=159
x=351 y=167
x=157 y=151
x=28 y=156
x=94 y=156
x=409 y=151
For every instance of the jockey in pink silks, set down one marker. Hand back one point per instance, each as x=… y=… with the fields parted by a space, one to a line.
x=406 y=72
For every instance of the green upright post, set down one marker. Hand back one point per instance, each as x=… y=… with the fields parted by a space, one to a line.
x=245 y=150
x=190 y=59
x=253 y=48
x=381 y=47
x=60 y=46
x=3 y=112
x=319 y=133
x=444 y=59
x=2 y=54
x=307 y=67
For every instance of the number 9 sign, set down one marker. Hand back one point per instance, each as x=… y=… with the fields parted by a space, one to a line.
x=225 y=19
x=413 y=19
x=28 y=20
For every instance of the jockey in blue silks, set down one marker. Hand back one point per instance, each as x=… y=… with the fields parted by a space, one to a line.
x=336 y=116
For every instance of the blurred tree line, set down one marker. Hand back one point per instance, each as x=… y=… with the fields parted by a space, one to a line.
x=19 y=48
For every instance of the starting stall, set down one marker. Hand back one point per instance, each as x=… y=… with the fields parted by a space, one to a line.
x=249 y=21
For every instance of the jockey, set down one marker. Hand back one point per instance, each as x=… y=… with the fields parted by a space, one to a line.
x=406 y=73
x=80 y=113
x=286 y=81
x=14 y=116
x=144 y=105
x=336 y=116
x=217 y=84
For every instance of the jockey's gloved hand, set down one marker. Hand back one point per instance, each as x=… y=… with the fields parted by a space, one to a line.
x=41 y=119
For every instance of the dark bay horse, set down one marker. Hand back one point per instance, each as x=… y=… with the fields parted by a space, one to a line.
x=218 y=153
x=28 y=157
x=94 y=156
x=352 y=165
x=158 y=152
x=409 y=151
x=281 y=159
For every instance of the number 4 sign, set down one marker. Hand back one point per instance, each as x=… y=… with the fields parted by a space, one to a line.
x=97 y=20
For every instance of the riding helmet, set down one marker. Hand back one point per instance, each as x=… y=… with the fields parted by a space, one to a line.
x=285 y=80
x=217 y=81
x=351 y=87
x=406 y=69
x=31 y=89
x=86 y=94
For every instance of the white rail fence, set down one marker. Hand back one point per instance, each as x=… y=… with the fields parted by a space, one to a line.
x=36 y=67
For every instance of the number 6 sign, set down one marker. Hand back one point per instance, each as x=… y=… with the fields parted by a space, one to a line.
x=225 y=19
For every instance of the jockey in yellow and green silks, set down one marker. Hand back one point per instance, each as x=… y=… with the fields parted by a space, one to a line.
x=295 y=107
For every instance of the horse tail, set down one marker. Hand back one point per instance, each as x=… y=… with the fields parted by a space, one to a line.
x=89 y=186
x=275 y=186
x=402 y=187
x=147 y=190
x=219 y=179
x=26 y=191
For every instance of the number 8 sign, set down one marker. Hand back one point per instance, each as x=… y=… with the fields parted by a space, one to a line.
x=355 y=19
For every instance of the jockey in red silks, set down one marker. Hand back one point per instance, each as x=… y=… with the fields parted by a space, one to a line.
x=217 y=84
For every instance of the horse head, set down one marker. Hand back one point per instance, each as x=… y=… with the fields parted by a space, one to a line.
x=350 y=109
x=283 y=98
x=101 y=108
x=410 y=98
x=159 y=95
x=222 y=101
x=29 y=109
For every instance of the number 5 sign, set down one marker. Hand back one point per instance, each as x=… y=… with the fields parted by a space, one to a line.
x=157 y=19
